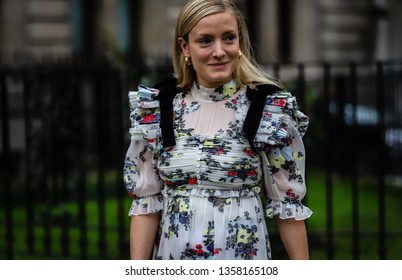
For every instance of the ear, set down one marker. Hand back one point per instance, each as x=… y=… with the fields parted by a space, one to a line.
x=184 y=46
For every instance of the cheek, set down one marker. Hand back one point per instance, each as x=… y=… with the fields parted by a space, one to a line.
x=234 y=65
x=200 y=56
x=234 y=55
x=233 y=52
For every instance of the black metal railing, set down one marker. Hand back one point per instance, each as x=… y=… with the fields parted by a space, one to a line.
x=72 y=138
x=64 y=135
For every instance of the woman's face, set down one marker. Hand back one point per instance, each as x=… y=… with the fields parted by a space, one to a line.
x=213 y=46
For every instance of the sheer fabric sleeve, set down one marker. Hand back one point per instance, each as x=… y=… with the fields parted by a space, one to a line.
x=140 y=176
x=279 y=140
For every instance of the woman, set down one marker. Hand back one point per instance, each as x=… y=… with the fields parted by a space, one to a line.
x=207 y=145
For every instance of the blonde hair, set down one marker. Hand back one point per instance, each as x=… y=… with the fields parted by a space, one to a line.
x=247 y=73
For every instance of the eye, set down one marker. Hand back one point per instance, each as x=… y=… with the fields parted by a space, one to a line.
x=205 y=41
x=230 y=38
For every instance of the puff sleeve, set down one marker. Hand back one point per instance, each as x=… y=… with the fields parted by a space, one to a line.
x=279 y=140
x=140 y=177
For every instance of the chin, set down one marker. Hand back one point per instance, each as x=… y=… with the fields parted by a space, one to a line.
x=220 y=79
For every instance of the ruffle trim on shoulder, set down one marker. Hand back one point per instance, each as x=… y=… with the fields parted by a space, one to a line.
x=274 y=124
x=280 y=113
x=299 y=119
x=302 y=122
x=287 y=210
x=144 y=114
x=144 y=98
x=146 y=205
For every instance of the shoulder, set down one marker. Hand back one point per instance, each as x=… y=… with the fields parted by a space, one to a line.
x=151 y=108
x=146 y=98
x=144 y=112
x=167 y=89
x=271 y=98
x=259 y=93
x=279 y=110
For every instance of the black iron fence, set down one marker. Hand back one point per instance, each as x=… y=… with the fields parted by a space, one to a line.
x=356 y=115
x=62 y=150
x=64 y=132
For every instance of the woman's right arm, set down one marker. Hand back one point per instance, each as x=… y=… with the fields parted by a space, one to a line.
x=141 y=181
x=144 y=187
x=143 y=231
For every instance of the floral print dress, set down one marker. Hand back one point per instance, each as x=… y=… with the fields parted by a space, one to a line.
x=208 y=186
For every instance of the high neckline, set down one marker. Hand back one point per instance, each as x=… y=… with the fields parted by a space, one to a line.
x=220 y=93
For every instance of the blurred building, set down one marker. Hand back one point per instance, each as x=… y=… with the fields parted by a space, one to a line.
x=281 y=30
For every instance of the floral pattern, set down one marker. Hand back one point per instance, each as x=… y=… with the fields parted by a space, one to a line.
x=243 y=238
x=200 y=251
x=208 y=186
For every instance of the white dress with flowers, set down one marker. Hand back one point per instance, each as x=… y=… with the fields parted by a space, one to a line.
x=209 y=185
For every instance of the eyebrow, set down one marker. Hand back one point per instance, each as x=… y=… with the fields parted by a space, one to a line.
x=233 y=31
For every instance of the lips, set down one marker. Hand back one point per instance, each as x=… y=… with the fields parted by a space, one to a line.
x=218 y=66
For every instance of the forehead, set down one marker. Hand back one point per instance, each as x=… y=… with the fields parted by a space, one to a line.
x=216 y=23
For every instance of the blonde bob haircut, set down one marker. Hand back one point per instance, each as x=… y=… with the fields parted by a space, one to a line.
x=247 y=73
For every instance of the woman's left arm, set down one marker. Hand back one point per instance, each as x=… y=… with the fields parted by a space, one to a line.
x=294 y=237
x=279 y=137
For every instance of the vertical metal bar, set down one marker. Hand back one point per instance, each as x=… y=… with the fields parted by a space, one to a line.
x=82 y=172
x=63 y=168
x=101 y=113
x=354 y=163
x=65 y=224
x=47 y=131
x=121 y=195
x=328 y=165
x=8 y=196
x=29 y=198
x=380 y=92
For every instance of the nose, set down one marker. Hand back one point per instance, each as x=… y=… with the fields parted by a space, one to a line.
x=219 y=52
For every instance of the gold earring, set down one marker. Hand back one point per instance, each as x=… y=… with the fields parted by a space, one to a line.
x=240 y=53
x=187 y=60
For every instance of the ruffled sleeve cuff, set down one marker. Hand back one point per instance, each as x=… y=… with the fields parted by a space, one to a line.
x=287 y=210
x=146 y=205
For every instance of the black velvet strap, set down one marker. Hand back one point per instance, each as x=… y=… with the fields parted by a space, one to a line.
x=168 y=90
x=257 y=98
